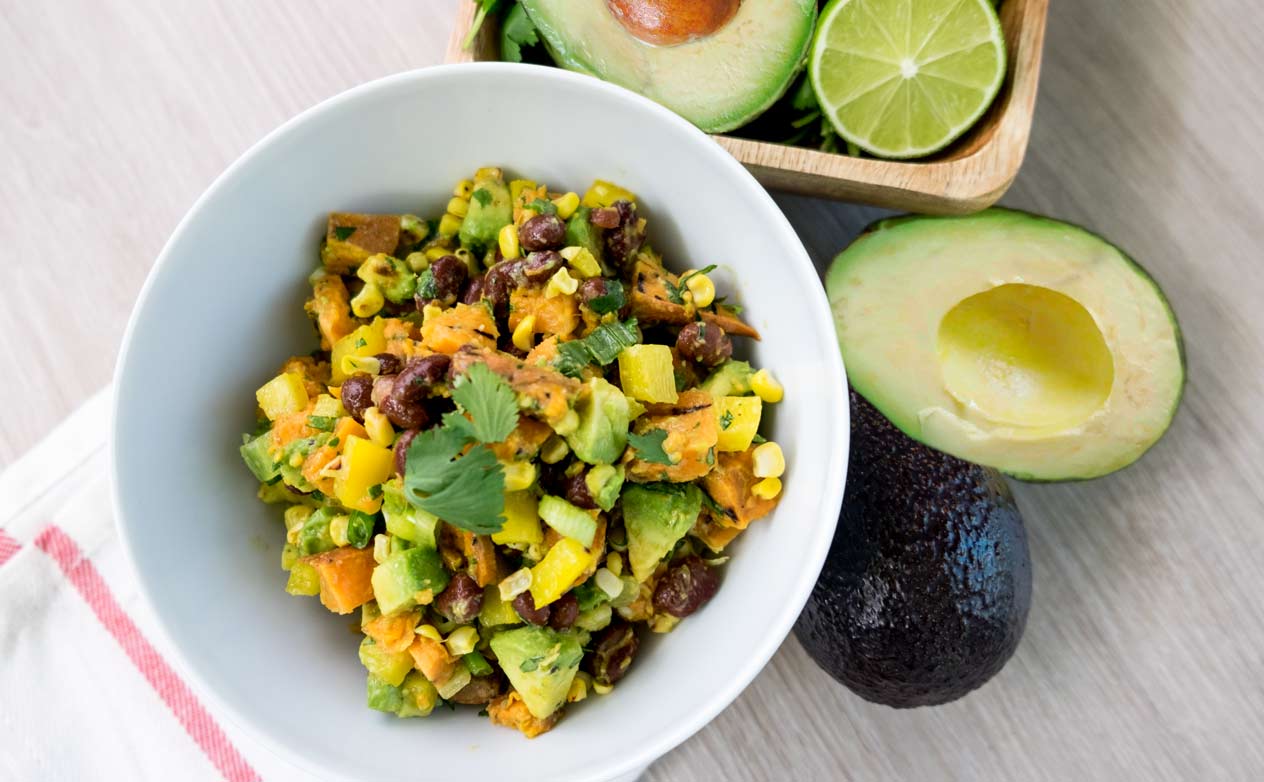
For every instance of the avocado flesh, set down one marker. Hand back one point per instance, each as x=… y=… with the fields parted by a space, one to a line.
x=926 y=589
x=540 y=663
x=1010 y=340
x=718 y=82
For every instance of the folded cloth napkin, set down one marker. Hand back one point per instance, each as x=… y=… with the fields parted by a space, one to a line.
x=88 y=688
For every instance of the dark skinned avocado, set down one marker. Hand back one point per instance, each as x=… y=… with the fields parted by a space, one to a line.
x=925 y=592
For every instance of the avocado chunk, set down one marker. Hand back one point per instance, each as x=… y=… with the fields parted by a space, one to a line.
x=540 y=663
x=925 y=592
x=397 y=282
x=491 y=209
x=733 y=378
x=580 y=232
x=727 y=65
x=602 y=434
x=604 y=483
x=1024 y=343
x=255 y=454
x=399 y=580
x=405 y=520
x=382 y=696
x=657 y=516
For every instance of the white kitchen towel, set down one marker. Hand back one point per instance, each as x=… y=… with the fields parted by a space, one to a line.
x=88 y=688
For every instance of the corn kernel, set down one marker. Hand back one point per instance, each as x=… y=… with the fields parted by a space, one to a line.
x=608 y=582
x=702 y=288
x=338 y=530
x=379 y=427
x=458 y=206
x=352 y=365
x=368 y=302
x=524 y=334
x=488 y=172
x=437 y=252
x=578 y=690
x=582 y=261
x=614 y=563
x=766 y=387
x=508 y=240
x=515 y=584
x=767 y=489
x=416 y=228
x=561 y=284
x=450 y=225
x=464 y=188
x=429 y=631
x=381 y=548
x=769 y=462
x=566 y=205
x=554 y=450
x=602 y=689
x=519 y=476
x=418 y=262
x=462 y=640
x=296 y=516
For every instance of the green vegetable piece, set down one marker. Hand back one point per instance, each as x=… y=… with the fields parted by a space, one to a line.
x=608 y=340
x=289 y=555
x=303 y=580
x=540 y=663
x=404 y=574
x=610 y=301
x=602 y=434
x=417 y=695
x=582 y=233
x=657 y=516
x=382 y=696
x=466 y=491
x=516 y=31
x=404 y=520
x=476 y=664
x=568 y=520
x=490 y=402
x=314 y=537
x=360 y=527
x=496 y=612
x=490 y=210
x=595 y=619
x=572 y=357
x=397 y=281
x=589 y=595
x=649 y=446
x=604 y=484
x=390 y=667
x=255 y=454
x=731 y=379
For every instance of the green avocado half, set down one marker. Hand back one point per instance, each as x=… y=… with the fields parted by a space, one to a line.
x=717 y=81
x=1010 y=340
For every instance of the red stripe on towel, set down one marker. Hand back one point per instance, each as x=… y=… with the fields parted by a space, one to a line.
x=8 y=547
x=197 y=721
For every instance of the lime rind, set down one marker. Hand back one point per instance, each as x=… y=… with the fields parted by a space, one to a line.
x=957 y=51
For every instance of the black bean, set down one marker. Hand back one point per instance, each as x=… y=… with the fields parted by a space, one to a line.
x=524 y=604
x=461 y=600
x=577 y=493
x=705 y=343
x=501 y=280
x=402 y=442
x=389 y=364
x=604 y=217
x=541 y=265
x=686 y=587
x=357 y=395
x=448 y=275
x=473 y=292
x=405 y=415
x=613 y=653
x=542 y=232
x=419 y=376
x=565 y=610
x=480 y=690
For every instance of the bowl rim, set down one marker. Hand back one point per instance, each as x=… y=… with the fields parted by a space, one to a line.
x=815 y=314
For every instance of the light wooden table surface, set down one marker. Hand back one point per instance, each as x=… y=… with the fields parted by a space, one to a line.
x=1144 y=654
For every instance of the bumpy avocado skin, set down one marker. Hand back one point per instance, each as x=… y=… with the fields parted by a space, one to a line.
x=925 y=593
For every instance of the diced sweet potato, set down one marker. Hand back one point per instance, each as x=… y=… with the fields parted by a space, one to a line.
x=292 y=426
x=651 y=301
x=464 y=325
x=351 y=237
x=714 y=534
x=432 y=659
x=480 y=554
x=729 y=484
x=692 y=432
x=330 y=305
x=393 y=632
x=558 y=316
x=548 y=392
x=542 y=354
x=523 y=442
x=403 y=339
x=510 y=711
x=344 y=578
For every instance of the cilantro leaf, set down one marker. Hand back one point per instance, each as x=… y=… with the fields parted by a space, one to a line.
x=490 y=402
x=343 y=232
x=649 y=446
x=483 y=196
x=572 y=357
x=516 y=31
x=542 y=207
x=324 y=423
x=466 y=491
x=429 y=462
x=726 y=420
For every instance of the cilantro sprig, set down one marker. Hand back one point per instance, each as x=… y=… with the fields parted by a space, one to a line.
x=649 y=446
x=450 y=470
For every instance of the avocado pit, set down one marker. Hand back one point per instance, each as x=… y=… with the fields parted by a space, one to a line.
x=673 y=22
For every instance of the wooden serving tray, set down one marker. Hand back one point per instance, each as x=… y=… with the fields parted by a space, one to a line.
x=969 y=176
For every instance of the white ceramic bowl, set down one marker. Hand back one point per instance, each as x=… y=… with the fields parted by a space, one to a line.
x=222 y=309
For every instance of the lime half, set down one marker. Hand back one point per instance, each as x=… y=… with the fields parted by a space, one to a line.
x=905 y=78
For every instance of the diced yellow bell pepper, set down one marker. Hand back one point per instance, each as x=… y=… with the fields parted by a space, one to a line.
x=647 y=373
x=603 y=193
x=282 y=395
x=364 y=465
x=495 y=611
x=554 y=574
x=365 y=341
x=522 y=520
x=739 y=421
x=519 y=186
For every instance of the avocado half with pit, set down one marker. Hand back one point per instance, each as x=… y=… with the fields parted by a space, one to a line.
x=717 y=63
x=1009 y=340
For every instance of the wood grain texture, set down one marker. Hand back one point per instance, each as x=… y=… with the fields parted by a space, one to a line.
x=970 y=175
x=1144 y=655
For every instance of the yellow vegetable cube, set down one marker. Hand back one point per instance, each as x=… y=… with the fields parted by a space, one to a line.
x=739 y=421
x=564 y=563
x=365 y=341
x=282 y=395
x=603 y=193
x=364 y=465
x=519 y=186
x=647 y=373
x=522 y=520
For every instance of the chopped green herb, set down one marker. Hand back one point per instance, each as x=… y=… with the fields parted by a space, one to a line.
x=375 y=491
x=324 y=423
x=343 y=232
x=677 y=292
x=426 y=286
x=726 y=420
x=530 y=664
x=334 y=442
x=360 y=527
x=759 y=439
x=603 y=346
x=710 y=456
x=361 y=342
x=649 y=446
x=542 y=207
x=516 y=31
x=572 y=357
x=483 y=196
x=610 y=301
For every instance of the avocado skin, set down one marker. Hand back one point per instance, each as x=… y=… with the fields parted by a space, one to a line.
x=926 y=589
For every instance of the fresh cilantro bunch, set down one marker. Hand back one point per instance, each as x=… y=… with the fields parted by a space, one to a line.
x=517 y=31
x=450 y=470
